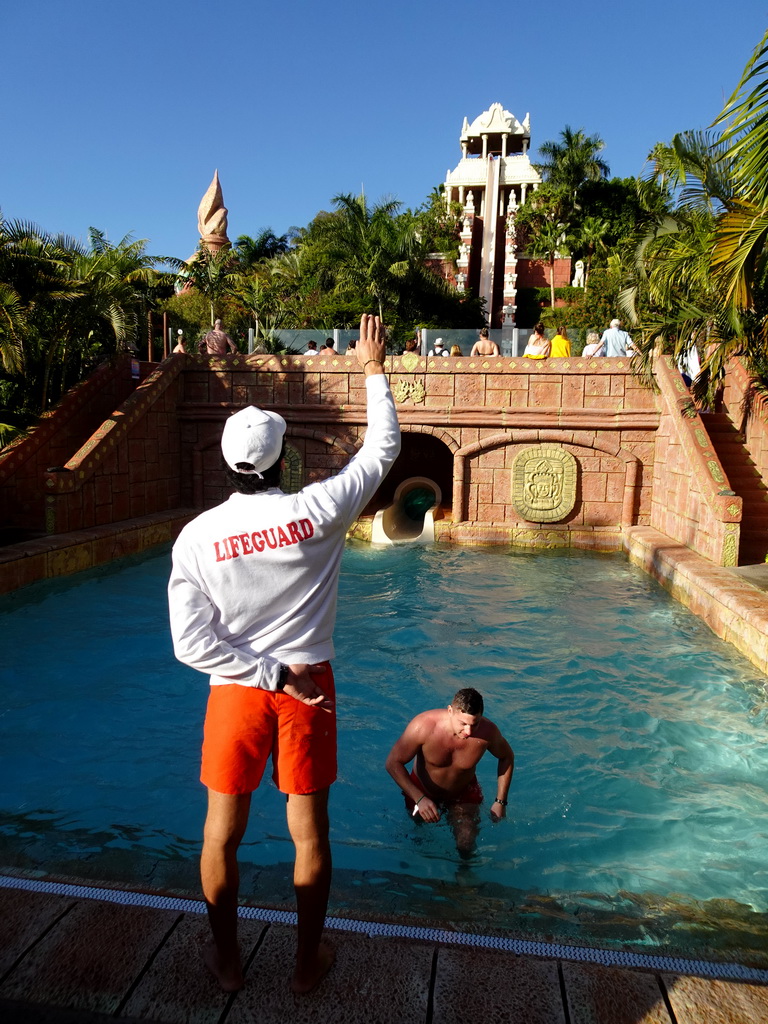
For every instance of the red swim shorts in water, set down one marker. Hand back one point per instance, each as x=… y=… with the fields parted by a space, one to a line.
x=244 y=725
x=471 y=794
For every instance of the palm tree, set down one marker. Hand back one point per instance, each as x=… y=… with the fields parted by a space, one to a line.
x=369 y=251
x=741 y=243
x=675 y=299
x=116 y=283
x=64 y=306
x=216 y=275
x=253 y=251
x=590 y=238
x=573 y=160
x=544 y=222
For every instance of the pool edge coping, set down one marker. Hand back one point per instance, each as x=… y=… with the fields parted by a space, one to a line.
x=711 y=969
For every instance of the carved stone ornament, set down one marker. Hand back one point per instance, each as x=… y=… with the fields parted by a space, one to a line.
x=544 y=483
x=409 y=390
x=292 y=474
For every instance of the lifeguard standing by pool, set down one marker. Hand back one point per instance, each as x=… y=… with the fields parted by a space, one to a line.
x=253 y=603
x=446 y=745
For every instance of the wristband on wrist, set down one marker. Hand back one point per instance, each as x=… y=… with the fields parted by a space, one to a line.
x=373 y=361
x=282 y=679
x=502 y=802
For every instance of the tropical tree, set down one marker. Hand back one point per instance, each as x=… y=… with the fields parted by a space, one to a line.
x=704 y=268
x=363 y=248
x=543 y=225
x=589 y=239
x=741 y=243
x=216 y=275
x=265 y=246
x=63 y=307
x=572 y=161
x=674 y=297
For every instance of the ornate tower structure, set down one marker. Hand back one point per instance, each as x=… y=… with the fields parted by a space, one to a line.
x=490 y=182
x=212 y=218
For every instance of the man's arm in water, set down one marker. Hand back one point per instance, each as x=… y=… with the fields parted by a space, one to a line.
x=500 y=749
x=401 y=754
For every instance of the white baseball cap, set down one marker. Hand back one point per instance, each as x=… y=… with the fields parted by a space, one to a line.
x=255 y=436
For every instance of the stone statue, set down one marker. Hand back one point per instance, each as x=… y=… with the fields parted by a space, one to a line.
x=578 y=277
x=212 y=218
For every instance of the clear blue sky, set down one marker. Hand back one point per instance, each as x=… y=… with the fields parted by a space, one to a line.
x=116 y=114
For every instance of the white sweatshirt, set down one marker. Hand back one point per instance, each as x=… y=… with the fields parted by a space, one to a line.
x=254 y=580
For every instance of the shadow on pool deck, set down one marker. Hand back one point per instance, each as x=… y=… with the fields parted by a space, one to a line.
x=65 y=960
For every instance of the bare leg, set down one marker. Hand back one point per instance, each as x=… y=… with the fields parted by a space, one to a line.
x=308 y=825
x=224 y=830
x=465 y=822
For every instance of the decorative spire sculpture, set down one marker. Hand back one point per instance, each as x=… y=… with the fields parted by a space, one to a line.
x=212 y=218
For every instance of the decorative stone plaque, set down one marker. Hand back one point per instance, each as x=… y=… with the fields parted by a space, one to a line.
x=544 y=483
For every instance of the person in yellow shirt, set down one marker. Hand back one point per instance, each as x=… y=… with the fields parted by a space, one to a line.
x=561 y=346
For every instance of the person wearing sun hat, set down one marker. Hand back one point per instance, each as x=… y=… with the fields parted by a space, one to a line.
x=252 y=599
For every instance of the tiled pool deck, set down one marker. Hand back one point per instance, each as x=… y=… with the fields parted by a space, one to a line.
x=69 y=958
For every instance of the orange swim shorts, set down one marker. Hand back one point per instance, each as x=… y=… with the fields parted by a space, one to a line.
x=471 y=794
x=244 y=725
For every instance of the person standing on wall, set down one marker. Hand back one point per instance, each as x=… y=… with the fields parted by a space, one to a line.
x=615 y=341
x=484 y=346
x=252 y=600
x=593 y=347
x=215 y=342
x=539 y=345
x=560 y=344
x=439 y=349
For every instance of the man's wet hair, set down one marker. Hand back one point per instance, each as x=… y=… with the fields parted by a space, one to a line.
x=252 y=483
x=468 y=701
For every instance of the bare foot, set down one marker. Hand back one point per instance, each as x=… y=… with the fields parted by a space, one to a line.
x=228 y=975
x=303 y=983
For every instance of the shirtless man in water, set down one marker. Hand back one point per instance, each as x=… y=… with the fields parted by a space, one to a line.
x=447 y=744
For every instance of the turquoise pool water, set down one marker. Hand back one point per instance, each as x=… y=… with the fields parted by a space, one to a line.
x=642 y=764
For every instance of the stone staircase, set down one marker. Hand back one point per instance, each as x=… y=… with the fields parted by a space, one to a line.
x=746 y=481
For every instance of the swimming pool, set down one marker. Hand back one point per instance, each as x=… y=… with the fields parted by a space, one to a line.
x=640 y=798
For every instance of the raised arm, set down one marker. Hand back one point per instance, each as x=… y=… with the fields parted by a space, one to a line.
x=501 y=750
x=371 y=347
x=352 y=488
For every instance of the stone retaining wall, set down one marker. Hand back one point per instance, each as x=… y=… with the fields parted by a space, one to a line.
x=52 y=443
x=692 y=502
x=481 y=412
x=748 y=411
